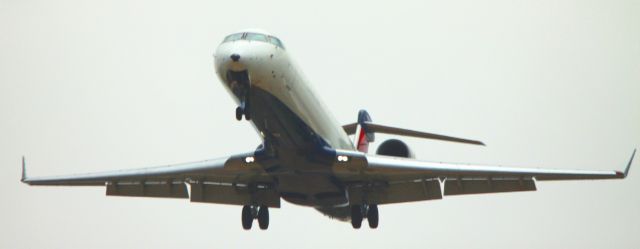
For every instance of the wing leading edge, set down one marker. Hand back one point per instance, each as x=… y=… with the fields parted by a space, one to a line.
x=401 y=166
x=177 y=171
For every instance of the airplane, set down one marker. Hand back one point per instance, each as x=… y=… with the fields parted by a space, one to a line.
x=306 y=157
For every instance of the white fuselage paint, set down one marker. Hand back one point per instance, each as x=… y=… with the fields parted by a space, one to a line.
x=271 y=70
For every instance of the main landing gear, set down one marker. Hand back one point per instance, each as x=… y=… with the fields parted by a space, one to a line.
x=359 y=212
x=251 y=212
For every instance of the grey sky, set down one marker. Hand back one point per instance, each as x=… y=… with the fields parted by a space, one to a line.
x=103 y=85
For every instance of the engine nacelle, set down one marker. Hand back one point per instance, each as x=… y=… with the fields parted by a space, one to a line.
x=395 y=147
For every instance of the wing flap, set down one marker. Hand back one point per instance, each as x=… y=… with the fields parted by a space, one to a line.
x=234 y=194
x=487 y=185
x=163 y=189
x=395 y=191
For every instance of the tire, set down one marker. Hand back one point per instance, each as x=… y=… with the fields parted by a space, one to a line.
x=247 y=110
x=263 y=217
x=247 y=218
x=238 y=113
x=356 y=216
x=373 y=216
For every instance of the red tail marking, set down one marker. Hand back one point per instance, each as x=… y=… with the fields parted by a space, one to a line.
x=363 y=143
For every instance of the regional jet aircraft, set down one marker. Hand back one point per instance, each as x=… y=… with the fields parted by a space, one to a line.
x=306 y=157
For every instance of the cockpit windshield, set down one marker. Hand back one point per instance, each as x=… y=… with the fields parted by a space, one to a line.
x=254 y=37
x=233 y=37
x=276 y=41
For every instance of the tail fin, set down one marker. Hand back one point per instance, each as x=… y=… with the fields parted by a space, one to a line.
x=363 y=135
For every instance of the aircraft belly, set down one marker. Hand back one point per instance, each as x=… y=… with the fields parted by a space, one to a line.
x=290 y=88
x=298 y=147
x=311 y=189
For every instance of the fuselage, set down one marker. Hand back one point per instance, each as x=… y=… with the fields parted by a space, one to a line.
x=293 y=122
x=271 y=70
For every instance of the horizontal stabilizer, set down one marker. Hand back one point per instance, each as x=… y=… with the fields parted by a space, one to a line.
x=371 y=127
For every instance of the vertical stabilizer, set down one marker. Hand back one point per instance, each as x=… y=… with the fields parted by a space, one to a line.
x=363 y=136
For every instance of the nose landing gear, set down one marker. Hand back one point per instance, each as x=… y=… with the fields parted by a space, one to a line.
x=243 y=109
x=241 y=87
x=239 y=112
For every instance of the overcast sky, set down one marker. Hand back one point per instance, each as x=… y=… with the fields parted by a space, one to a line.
x=103 y=85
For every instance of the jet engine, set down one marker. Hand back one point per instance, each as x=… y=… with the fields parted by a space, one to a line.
x=395 y=147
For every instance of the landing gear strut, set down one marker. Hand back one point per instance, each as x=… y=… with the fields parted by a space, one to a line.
x=240 y=85
x=359 y=212
x=251 y=212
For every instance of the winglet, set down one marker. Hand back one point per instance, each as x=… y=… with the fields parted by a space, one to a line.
x=24 y=171
x=626 y=170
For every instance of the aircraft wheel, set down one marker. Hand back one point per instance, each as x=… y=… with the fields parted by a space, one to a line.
x=247 y=114
x=247 y=110
x=263 y=217
x=247 y=217
x=239 y=113
x=356 y=216
x=372 y=216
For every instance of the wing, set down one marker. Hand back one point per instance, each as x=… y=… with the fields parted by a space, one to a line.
x=413 y=180
x=227 y=180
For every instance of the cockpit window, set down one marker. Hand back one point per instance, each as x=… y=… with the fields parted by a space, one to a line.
x=254 y=37
x=233 y=37
x=276 y=41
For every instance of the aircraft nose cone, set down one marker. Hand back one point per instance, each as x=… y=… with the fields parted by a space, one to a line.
x=235 y=57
